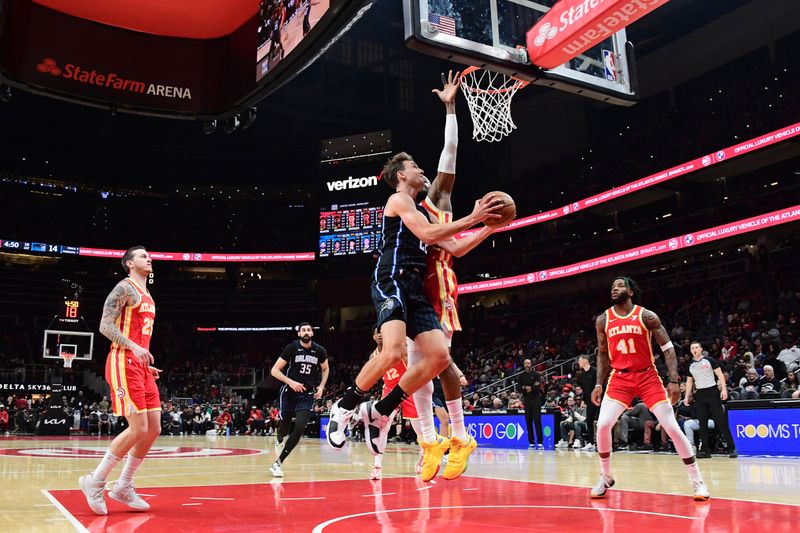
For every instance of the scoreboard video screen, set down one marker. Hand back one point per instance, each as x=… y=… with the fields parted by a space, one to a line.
x=349 y=229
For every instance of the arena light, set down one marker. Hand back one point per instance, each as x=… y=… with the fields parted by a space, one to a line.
x=5 y=93
x=209 y=127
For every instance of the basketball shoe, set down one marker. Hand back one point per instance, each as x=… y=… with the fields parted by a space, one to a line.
x=701 y=493
x=432 y=459
x=127 y=494
x=275 y=469
x=337 y=424
x=457 y=460
x=93 y=490
x=376 y=427
x=603 y=484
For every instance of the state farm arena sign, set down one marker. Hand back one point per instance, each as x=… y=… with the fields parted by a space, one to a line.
x=156 y=452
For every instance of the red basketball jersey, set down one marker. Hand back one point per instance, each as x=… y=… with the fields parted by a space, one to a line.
x=629 y=343
x=136 y=321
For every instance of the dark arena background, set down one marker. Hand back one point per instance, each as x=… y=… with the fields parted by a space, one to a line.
x=243 y=147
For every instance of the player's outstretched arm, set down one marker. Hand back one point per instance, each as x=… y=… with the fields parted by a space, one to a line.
x=442 y=185
x=660 y=335
x=602 y=359
x=122 y=295
x=461 y=247
x=402 y=205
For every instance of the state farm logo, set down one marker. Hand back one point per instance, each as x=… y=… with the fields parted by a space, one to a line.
x=156 y=452
x=49 y=66
x=110 y=80
x=546 y=32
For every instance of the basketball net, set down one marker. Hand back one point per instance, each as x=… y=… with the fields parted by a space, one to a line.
x=489 y=96
x=68 y=358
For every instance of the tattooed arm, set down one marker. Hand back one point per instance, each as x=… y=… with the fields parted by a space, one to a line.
x=122 y=295
x=602 y=359
x=660 y=335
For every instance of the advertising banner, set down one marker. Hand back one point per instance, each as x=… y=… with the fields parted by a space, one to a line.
x=765 y=431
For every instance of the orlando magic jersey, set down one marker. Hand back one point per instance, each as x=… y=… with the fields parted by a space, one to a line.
x=399 y=248
x=304 y=363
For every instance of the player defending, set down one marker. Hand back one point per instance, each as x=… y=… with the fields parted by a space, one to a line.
x=400 y=302
x=306 y=360
x=128 y=315
x=624 y=339
x=441 y=289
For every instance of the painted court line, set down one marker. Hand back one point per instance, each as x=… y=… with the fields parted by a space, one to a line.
x=320 y=527
x=209 y=498
x=428 y=487
x=72 y=520
x=312 y=498
x=188 y=504
x=379 y=494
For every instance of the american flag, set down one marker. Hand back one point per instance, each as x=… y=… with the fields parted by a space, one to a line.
x=442 y=23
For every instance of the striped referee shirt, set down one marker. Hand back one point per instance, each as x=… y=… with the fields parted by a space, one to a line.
x=703 y=372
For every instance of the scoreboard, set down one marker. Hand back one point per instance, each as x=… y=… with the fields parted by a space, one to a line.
x=349 y=229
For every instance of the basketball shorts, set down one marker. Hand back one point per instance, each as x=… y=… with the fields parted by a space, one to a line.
x=442 y=291
x=291 y=402
x=646 y=384
x=133 y=387
x=402 y=297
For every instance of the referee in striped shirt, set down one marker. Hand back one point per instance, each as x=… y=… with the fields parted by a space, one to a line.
x=703 y=373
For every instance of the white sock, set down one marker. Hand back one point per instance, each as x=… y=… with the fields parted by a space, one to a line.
x=456 y=410
x=128 y=471
x=605 y=466
x=379 y=460
x=694 y=472
x=105 y=467
x=416 y=426
x=423 y=400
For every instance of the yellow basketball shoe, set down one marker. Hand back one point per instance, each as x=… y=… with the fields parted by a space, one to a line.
x=457 y=460
x=432 y=458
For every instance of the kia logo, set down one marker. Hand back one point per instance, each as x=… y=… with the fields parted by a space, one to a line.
x=48 y=66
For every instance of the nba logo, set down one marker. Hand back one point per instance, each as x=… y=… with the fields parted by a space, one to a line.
x=673 y=244
x=531 y=278
x=688 y=239
x=720 y=155
x=609 y=65
x=566 y=210
x=542 y=275
x=706 y=161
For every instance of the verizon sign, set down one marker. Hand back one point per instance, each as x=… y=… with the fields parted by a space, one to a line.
x=352 y=183
x=573 y=26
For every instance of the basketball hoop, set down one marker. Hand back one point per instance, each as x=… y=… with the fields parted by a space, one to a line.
x=489 y=96
x=68 y=358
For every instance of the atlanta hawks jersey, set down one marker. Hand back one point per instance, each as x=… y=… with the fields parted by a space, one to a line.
x=629 y=341
x=441 y=285
x=136 y=321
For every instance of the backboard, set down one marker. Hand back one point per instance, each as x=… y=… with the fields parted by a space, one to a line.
x=491 y=34
x=80 y=343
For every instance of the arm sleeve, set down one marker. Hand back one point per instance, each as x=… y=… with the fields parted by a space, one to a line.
x=447 y=161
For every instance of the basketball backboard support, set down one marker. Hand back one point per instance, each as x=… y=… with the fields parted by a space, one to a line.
x=491 y=34
x=80 y=343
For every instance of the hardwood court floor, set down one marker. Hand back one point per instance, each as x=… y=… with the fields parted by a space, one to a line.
x=219 y=483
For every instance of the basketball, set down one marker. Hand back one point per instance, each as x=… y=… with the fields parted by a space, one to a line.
x=507 y=213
